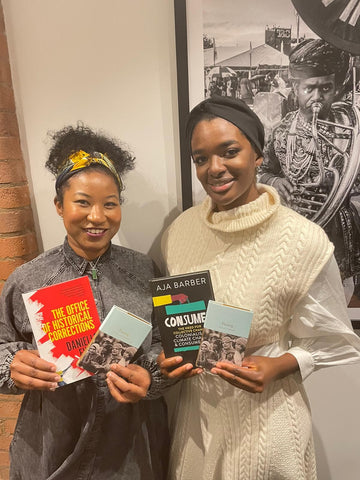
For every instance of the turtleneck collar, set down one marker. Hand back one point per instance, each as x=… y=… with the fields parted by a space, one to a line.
x=245 y=216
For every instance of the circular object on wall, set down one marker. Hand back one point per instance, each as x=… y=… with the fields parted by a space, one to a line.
x=335 y=21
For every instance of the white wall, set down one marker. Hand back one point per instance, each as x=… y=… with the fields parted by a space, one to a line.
x=334 y=396
x=111 y=63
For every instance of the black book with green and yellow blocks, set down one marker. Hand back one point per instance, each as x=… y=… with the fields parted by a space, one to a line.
x=180 y=303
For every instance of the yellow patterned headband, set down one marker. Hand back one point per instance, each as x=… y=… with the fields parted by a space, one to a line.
x=81 y=159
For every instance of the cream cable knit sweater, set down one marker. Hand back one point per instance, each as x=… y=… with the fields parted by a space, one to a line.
x=262 y=256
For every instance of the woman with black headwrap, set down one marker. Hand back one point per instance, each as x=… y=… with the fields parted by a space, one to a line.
x=105 y=427
x=252 y=422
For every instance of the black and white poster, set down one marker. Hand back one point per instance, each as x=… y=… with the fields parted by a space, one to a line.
x=295 y=63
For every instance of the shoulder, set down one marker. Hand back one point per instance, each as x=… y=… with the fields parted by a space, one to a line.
x=186 y=217
x=303 y=245
x=38 y=268
x=308 y=234
x=290 y=215
x=132 y=261
x=37 y=272
x=129 y=255
x=182 y=224
x=285 y=122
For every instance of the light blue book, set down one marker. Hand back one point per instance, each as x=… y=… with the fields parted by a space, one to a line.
x=228 y=319
x=225 y=334
x=125 y=326
x=119 y=337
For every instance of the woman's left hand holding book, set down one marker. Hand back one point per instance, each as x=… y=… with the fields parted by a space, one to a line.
x=128 y=384
x=256 y=372
x=30 y=372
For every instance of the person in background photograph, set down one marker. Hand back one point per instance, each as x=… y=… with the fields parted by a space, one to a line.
x=240 y=346
x=252 y=421
x=245 y=90
x=303 y=162
x=103 y=427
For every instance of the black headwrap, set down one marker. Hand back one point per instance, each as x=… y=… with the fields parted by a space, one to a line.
x=317 y=58
x=234 y=111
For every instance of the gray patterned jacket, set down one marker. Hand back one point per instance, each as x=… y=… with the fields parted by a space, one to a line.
x=79 y=431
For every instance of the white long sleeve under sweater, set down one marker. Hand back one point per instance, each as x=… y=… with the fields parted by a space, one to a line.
x=264 y=257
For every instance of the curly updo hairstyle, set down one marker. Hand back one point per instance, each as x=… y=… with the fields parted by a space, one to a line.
x=70 y=140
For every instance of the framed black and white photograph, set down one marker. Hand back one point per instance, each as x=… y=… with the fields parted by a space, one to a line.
x=295 y=63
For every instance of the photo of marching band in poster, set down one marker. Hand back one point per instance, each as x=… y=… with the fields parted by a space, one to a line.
x=296 y=64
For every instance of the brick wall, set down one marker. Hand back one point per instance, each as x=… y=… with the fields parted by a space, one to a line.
x=17 y=236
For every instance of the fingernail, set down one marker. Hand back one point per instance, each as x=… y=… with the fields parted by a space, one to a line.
x=188 y=366
x=178 y=359
x=57 y=378
x=53 y=386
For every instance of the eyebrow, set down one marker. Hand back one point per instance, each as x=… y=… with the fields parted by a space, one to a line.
x=89 y=196
x=221 y=145
x=319 y=84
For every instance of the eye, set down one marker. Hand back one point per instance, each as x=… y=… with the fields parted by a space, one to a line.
x=307 y=90
x=82 y=202
x=199 y=160
x=111 y=205
x=231 y=152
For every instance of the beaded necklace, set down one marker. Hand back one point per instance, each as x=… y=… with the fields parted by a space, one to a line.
x=301 y=149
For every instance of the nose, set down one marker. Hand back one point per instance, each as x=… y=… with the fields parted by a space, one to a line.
x=96 y=214
x=216 y=166
x=317 y=94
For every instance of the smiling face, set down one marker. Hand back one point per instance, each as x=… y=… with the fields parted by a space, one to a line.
x=117 y=349
x=106 y=346
x=239 y=345
x=204 y=347
x=315 y=89
x=129 y=353
x=91 y=212
x=227 y=344
x=225 y=163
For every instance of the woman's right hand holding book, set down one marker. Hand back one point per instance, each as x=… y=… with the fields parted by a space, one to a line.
x=30 y=372
x=170 y=368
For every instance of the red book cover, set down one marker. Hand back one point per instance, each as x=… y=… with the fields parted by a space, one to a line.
x=63 y=318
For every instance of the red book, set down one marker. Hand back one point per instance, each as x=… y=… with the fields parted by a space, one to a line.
x=63 y=318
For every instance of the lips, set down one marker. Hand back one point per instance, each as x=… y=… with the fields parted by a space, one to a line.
x=95 y=232
x=315 y=106
x=220 y=187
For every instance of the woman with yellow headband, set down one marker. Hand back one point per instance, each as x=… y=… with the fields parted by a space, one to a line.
x=101 y=428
